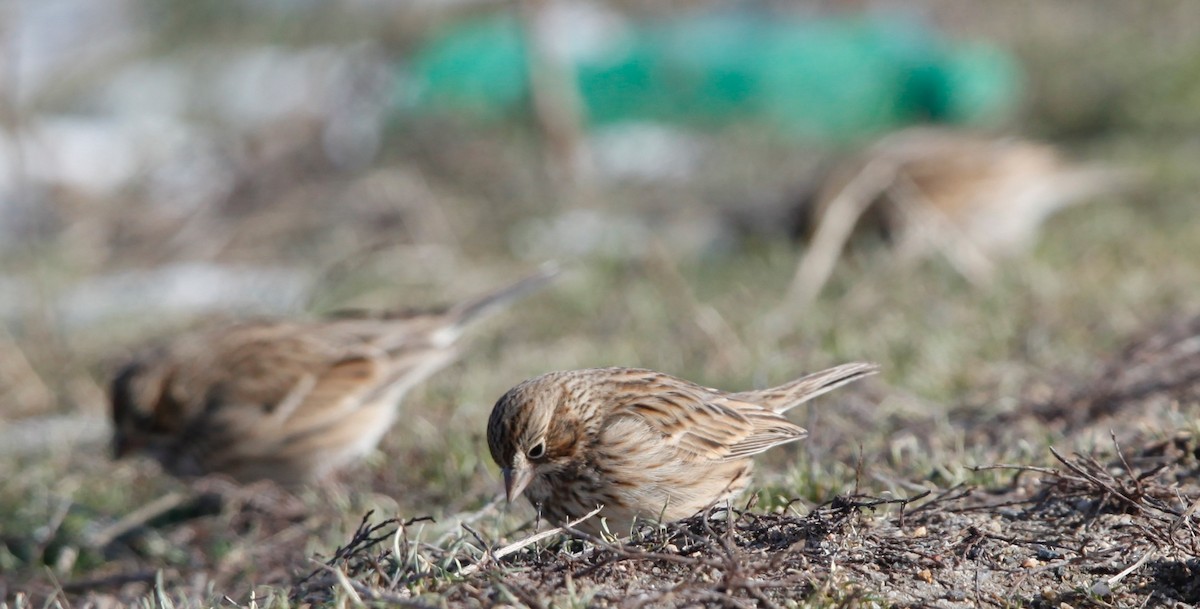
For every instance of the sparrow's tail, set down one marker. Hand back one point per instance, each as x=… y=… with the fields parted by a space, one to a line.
x=789 y=395
x=461 y=315
x=1081 y=184
x=469 y=311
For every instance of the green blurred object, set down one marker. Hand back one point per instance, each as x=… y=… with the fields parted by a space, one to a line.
x=478 y=68
x=832 y=79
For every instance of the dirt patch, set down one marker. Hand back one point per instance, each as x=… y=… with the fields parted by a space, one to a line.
x=1114 y=530
x=1161 y=367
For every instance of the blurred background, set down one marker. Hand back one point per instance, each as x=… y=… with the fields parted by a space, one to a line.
x=161 y=161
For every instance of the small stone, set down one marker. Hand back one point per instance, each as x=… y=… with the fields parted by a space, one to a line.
x=1031 y=562
x=66 y=559
x=1047 y=553
x=1065 y=606
x=1101 y=588
x=925 y=576
x=672 y=548
x=919 y=532
x=1048 y=594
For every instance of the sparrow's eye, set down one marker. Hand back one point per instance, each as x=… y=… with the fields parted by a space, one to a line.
x=537 y=452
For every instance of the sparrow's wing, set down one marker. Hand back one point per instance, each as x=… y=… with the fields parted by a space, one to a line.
x=705 y=424
x=272 y=381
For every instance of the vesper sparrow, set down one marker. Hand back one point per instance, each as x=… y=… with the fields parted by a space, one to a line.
x=284 y=400
x=969 y=197
x=641 y=443
x=928 y=187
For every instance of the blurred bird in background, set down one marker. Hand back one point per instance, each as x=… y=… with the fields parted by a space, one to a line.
x=970 y=197
x=282 y=400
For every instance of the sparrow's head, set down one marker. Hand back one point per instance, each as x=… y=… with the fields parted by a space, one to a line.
x=143 y=414
x=534 y=426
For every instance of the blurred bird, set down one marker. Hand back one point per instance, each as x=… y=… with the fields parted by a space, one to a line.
x=640 y=443
x=287 y=401
x=969 y=196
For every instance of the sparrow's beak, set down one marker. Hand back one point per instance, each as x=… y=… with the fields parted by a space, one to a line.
x=515 y=481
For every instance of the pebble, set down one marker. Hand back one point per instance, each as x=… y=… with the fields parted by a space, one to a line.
x=1046 y=553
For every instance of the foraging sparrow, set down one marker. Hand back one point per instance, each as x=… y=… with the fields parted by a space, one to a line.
x=641 y=443
x=281 y=400
x=970 y=197
x=995 y=190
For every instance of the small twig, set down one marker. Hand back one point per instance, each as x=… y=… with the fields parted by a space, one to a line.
x=137 y=518
x=357 y=590
x=951 y=494
x=859 y=501
x=1184 y=517
x=1098 y=482
x=1114 y=580
x=471 y=518
x=1013 y=541
x=727 y=541
x=1021 y=468
x=528 y=541
x=487 y=549
x=1129 y=470
x=632 y=553
x=364 y=537
x=119 y=579
x=344 y=581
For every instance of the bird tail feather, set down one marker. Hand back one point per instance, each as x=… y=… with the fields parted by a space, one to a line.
x=789 y=395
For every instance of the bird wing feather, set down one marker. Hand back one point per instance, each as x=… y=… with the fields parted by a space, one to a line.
x=704 y=424
x=276 y=381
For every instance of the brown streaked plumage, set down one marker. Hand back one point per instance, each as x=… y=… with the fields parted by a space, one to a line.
x=996 y=191
x=284 y=400
x=641 y=443
x=970 y=197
